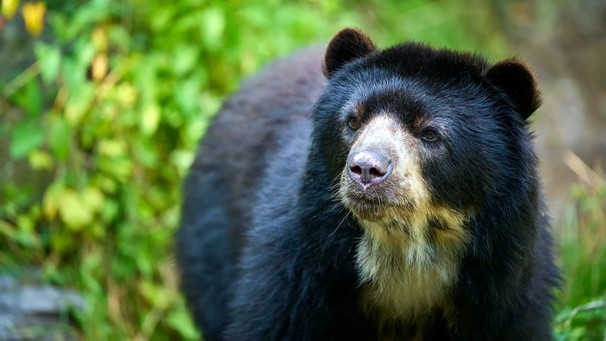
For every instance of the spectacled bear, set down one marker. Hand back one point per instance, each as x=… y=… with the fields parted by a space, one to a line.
x=371 y=194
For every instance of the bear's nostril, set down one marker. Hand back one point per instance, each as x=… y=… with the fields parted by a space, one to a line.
x=367 y=167
x=376 y=173
x=356 y=170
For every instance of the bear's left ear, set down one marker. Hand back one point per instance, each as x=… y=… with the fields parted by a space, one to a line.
x=514 y=77
x=344 y=47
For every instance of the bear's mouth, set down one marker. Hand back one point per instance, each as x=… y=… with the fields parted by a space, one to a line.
x=373 y=204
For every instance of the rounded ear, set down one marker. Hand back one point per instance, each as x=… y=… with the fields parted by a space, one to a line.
x=518 y=82
x=344 y=47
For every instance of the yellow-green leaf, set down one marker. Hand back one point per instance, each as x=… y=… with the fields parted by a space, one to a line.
x=52 y=197
x=151 y=117
x=112 y=148
x=78 y=103
x=39 y=159
x=93 y=198
x=182 y=159
x=73 y=212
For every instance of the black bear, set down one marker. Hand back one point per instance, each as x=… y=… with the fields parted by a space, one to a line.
x=371 y=195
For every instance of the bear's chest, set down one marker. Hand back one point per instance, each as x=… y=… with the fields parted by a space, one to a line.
x=404 y=277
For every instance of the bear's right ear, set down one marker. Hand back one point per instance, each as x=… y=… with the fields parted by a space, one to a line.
x=346 y=46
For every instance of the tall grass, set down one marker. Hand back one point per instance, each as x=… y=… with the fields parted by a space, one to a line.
x=582 y=301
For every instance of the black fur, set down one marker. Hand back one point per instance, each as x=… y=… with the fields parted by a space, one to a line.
x=267 y=251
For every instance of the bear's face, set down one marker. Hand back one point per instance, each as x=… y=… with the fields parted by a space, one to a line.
x=417 y=140
x=413 y=147
x=417 y=129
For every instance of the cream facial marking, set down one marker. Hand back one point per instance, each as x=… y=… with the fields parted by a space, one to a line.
x=409 y=254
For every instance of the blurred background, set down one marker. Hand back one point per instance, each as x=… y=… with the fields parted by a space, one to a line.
x=102 y=104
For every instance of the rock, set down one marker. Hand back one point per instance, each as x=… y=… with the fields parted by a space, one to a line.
x=33 y=311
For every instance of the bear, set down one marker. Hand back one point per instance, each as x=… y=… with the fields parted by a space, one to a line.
x=358 y=193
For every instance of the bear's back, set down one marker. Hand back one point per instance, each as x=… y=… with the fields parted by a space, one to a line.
x=221 y=187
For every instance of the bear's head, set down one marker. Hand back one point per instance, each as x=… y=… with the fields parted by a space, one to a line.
x=412 y=129
x=419 y=141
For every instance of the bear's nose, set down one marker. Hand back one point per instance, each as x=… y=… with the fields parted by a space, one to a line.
x=368 y=168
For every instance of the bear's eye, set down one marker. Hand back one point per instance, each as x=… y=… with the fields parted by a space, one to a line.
x=353 y=122
x=429 y=135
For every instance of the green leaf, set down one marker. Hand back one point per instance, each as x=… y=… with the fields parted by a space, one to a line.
x=119 y=168
x=25 y=137
x=49 y=60
x=59 y=137
x=186 y=57
x=109 y=211
x=29 y=98
x=26 y=234
x=79 y=102
x=8 y=230
x=187 y=95
x=181 y=322
x=62 y=241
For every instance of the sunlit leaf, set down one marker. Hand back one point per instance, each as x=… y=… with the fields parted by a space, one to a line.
x=73 y=213
x=51 y=200
x=213 y=26
x=186 y=58
x=151 y=118
x=112 y=147
x=119 y=168
x=93 y=198
x=182 y=159
x=39 y=159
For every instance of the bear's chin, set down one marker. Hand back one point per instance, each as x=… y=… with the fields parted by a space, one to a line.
x=375 y=210
x=375 y=203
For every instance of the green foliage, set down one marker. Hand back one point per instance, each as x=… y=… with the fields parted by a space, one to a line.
x=102 y=128
x=584 y=322
x=583 y=259
x=109 y=119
